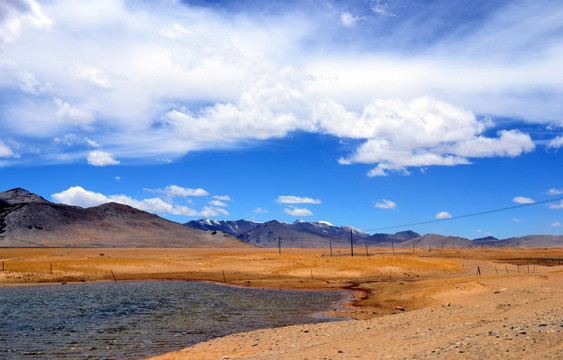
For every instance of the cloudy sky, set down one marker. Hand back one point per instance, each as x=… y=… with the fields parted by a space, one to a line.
x=373 y=114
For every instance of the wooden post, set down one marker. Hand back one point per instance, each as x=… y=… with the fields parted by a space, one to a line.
x=2 y=265
x=496 y=270
x=518 y=269
x=367 y=254
x=528 y=268
x=413 y=251
x=478 y=271
x=393 y=247
x=429 y=246
x=330 y=244
x=351 y=244
x=224 y=280
x=51 y=269
x=506 y=267
x=112 y=274
x=311 y=274
x=279 y=245
x=389 y=274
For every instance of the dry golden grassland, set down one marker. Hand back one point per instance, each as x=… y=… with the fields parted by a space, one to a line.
x=383 y=282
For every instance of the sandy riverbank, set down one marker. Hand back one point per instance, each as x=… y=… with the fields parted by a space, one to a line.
x=512 y=311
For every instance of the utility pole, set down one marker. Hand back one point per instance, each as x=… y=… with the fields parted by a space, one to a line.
x=351 y=244
x=330 y=244
x=279 y=245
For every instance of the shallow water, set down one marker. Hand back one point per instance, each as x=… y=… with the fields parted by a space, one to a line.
x=129 y=320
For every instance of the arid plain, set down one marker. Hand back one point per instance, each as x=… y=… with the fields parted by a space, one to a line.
x=421 y=303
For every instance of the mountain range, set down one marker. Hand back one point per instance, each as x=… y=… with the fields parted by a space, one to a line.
x=322 y=234
x=28 y=220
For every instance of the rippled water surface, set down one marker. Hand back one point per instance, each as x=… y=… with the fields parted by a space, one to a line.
x=138 y=319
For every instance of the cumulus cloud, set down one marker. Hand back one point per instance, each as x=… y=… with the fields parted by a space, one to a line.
x=421 y=133
x=519 y=221
x=556 y=206
x=556 y=224
x=290 y=199
x=168 y=78
x=385 y=204
x=78 y=196
x=443 y=215
x=101 y=158
x=554 y=191
x=295 y=211
x=259 y=210
x=523 y=200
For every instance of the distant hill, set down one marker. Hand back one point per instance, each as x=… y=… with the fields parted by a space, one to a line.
x=318 y=234
x=29 y=220
x=322 y=233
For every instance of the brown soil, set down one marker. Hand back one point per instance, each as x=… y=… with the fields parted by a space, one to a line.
x=442 y=308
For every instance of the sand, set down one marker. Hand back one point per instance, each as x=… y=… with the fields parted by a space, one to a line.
x=430 y=304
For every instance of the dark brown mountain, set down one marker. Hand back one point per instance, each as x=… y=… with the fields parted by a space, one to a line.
x=29 y=220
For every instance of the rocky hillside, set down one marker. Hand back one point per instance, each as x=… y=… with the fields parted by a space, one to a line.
x=29 y=220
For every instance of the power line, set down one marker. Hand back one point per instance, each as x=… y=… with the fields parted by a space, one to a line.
x=469 y=215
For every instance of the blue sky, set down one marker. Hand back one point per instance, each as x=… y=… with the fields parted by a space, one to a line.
x=372 y=114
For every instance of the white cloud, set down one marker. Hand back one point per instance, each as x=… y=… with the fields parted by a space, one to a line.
x=420 y=133
x=92 y=75
x=16 y=14
x=290 y=199
x=101 y=158
x=554 y=191
x=218 y=203
x=213 y=211
x=78 y=196
x=140 y=71
x=385 y=204
x=443 y=215
x=260 y=211
x=523 y=200
x=222 y=197
x=348 y=19
x=72 y=115
x=295 y=211
x=556 y=143
x=5 y=150
x=172 y=191
x=556 y=224
x=519 y=221
x=118 y=178
x=92 y=143
x=380 y=8
x=556 y=206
